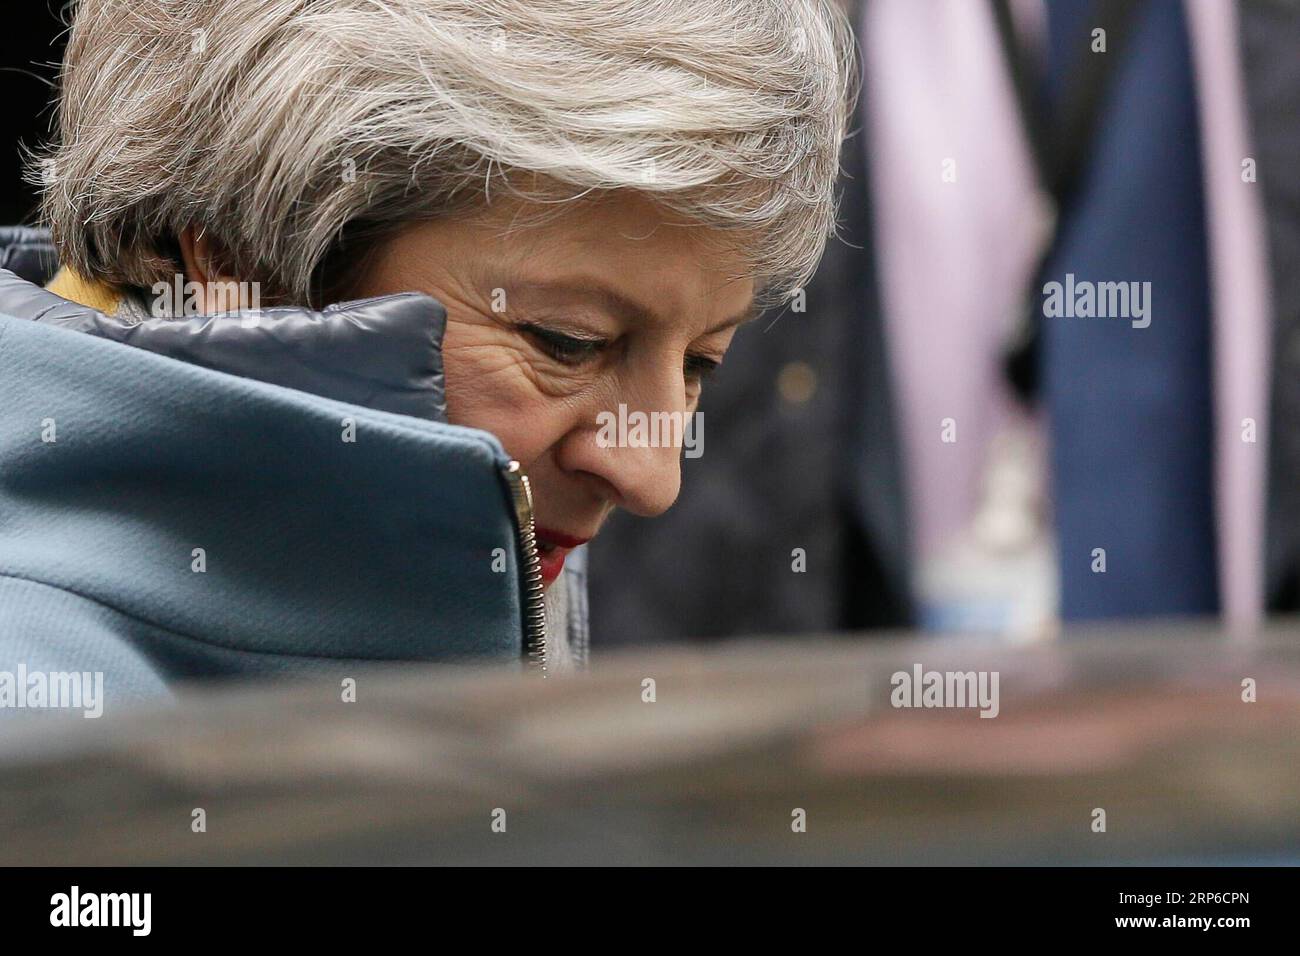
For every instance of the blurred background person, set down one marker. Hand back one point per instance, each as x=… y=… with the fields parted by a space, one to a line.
x=917 y=443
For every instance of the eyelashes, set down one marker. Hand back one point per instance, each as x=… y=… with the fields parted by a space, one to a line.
x=565 y=349
x=575 y=351
x=700 y=367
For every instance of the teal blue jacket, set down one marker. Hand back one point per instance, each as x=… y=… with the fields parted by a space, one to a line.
x=161 y=521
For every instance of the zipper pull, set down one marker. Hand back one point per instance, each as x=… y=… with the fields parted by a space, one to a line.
x=533 y=603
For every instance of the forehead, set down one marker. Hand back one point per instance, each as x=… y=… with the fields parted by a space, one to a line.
x=626 y=256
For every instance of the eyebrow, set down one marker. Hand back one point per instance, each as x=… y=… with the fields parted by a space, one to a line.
x=622 y=306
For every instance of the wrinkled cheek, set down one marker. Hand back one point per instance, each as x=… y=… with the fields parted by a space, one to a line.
x=460 y=406
x=490 y=392
x=476 y=397
x=481 y=376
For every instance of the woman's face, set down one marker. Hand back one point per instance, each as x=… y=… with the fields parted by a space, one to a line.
x=551 y=327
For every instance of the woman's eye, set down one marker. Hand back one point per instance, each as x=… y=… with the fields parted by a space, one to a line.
x=565 y=349
x=699 y=367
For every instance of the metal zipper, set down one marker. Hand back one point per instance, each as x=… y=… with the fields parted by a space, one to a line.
x=530 y=568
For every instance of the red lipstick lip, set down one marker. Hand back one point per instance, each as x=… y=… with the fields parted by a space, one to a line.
x=552 y=565
x=559 y=539
x=554 y=546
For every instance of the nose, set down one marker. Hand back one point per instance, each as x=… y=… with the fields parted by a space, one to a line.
x=631 y=454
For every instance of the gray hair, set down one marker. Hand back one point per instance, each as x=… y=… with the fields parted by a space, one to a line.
x=292 y=129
